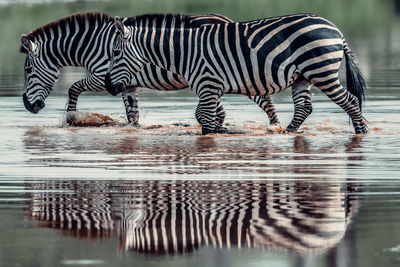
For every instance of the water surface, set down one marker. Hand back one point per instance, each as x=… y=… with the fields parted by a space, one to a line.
x=164 y=194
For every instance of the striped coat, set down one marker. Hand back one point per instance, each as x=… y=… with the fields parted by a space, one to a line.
x=162 y=217
x=86 y=40
x=260 y=57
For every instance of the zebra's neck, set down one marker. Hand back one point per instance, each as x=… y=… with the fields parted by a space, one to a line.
x=168 y=48
x=81 y=46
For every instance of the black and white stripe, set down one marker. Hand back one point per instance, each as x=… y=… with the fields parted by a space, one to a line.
x=260 y=57
x=86 y=40
x=163 y=217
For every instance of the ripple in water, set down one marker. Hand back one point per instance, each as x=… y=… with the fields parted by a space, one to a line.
x=179 y=217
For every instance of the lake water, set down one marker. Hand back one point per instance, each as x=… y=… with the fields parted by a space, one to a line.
x=164 y=195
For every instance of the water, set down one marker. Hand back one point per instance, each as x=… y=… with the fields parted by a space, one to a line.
x=164 y=195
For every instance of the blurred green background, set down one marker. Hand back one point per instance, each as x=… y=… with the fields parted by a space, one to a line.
x=372 y=27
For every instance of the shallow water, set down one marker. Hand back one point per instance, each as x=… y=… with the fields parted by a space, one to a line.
x=102 y=196
x=163 y=195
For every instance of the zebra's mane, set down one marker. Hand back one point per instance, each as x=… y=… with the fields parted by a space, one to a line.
x=133 y=21
x=186 y=20
x=79 y=18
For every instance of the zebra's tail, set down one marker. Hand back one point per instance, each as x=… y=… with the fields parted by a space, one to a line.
x=355 y=81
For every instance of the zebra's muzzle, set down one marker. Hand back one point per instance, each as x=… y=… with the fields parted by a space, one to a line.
x=113 y=89
x=35 y=107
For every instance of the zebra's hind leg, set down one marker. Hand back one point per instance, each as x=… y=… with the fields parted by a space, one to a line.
x=348 y=102
x=129 y=96
x=206 y=113
x=302 y=103
x=266 y=104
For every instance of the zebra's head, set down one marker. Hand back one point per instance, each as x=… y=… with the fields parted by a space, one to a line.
x=125 y=61
x=40 y=74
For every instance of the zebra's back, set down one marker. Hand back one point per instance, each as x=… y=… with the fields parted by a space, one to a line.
x=267 y=56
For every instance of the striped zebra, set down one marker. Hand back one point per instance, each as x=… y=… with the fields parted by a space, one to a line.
x=177 y=217
x=260 y=57
x=86 y=40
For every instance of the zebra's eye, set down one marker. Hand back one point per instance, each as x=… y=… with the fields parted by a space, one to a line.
x=28 y=69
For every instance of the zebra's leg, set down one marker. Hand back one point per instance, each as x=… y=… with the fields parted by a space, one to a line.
x=266 y=104
x=91 y=83
x=129 y=96
x=206 y=112
x=302 y=103
x=342 y=97
x=220 y=114
x=73 y=94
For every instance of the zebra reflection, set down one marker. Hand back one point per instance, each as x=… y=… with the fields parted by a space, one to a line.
x=178 y=217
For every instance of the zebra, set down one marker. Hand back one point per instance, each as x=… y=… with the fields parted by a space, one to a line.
x=159 y=217
x=259 y=57
x=85 y=40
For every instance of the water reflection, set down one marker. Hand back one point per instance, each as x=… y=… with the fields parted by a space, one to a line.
x=244 y=156
x=378 y=51
x=307 y=212
x=177 y=217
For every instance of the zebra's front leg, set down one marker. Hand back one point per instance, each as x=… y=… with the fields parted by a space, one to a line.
x=266 y=104
x=220 y=114
x=129 y=96
x=91 y=83
x=206 y=112
x=73 y=94
x=302 y=104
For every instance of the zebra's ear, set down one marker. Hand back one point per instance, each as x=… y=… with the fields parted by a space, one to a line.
x=28 y=44
x=120 y=26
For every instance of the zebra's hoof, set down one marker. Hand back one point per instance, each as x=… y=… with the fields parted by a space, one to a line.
x=220 y=129
x=133 y=121
x=217 y=129
x=360 y=127
x=205 y=131
x=134 y=124
x=291 y=129
x=362 y=130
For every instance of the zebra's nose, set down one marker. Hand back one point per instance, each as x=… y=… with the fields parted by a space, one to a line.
x=38 y=105
x=113 y=89
x=35 y=107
